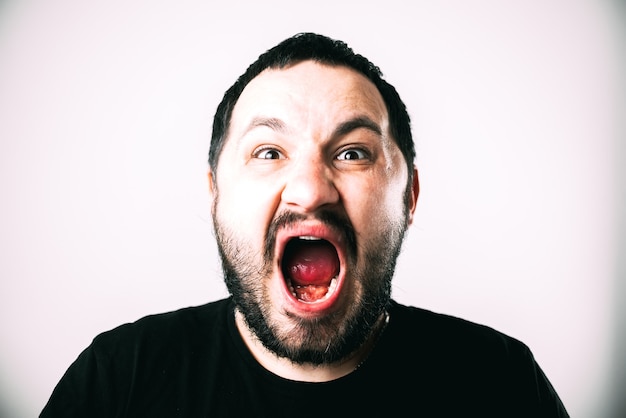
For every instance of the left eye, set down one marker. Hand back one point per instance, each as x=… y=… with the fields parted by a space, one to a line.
x=352 y=154
x=268 y=154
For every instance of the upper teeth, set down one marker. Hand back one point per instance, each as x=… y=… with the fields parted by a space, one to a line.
x=309 y=238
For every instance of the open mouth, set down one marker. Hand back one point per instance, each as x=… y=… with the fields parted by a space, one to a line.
x=311 y=267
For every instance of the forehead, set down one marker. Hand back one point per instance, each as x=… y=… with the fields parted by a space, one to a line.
x=312 y=94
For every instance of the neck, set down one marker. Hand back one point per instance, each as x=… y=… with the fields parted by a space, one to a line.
x=287 y=369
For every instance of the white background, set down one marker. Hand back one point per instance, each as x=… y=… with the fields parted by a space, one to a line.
x=105 y=118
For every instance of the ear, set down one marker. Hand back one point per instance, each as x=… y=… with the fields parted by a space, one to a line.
x=415 y=191
x=212 y=184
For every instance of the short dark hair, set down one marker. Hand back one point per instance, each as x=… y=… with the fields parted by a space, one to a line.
x=319 y=48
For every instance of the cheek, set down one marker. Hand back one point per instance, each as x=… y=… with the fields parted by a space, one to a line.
x=373 y=208
x=245 y=206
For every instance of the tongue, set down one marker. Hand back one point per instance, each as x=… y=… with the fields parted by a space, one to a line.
x=310 y=265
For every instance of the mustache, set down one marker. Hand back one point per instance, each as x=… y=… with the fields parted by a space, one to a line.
x=338 y=222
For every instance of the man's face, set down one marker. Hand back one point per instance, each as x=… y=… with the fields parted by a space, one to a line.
x=310 y=209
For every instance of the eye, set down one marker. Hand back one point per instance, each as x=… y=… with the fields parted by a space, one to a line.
x=352 y=154
x=268 y=153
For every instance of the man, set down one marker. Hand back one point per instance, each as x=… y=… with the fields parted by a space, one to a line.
x=313 y=186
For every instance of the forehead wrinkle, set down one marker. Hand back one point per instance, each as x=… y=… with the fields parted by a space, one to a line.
x=313 y=107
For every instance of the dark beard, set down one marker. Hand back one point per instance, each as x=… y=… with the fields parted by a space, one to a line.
x=321 y=340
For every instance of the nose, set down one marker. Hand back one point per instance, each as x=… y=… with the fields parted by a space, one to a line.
x=309 y=185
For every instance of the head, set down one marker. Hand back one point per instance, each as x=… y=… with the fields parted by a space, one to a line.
x=318 y=48
x=313 y=186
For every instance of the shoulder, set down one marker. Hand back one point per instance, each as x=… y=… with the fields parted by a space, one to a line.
x=182 y=325
x=447 y=333
x=147 y=365
x=481 y=367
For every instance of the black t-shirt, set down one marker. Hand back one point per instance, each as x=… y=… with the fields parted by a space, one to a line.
x=193 y=363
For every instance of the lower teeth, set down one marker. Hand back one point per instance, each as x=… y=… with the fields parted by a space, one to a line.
x=329 y=291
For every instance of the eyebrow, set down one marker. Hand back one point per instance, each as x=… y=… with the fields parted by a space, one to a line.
x=358 y=122
x=272 y=123
x=344 y=128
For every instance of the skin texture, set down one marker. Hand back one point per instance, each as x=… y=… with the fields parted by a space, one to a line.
x=308 y=153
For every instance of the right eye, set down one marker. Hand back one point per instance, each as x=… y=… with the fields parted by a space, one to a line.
x=268 y=153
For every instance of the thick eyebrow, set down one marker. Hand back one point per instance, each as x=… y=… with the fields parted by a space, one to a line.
x=350 y=125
